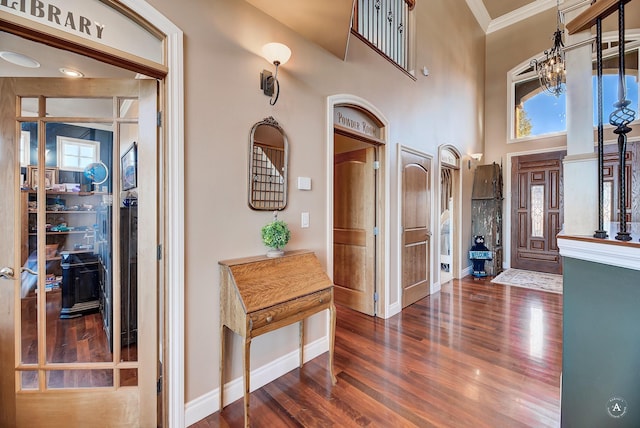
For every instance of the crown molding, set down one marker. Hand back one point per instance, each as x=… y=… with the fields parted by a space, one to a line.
x=480 y=12
x=520 y=14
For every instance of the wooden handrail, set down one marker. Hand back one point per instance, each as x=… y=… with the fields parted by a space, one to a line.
x=588 y=18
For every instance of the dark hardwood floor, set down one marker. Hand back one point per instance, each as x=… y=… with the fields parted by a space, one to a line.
x=474 y=355
x=75 y=340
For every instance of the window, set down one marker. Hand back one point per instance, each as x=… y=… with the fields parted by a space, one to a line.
x=385 y=25
x=25 y=148
x=610 y=84
x=75 y=154
x=535 y=113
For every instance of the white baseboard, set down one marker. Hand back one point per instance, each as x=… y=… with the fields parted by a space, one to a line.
x=394 y=309
x=209 y=403
x=466 y=271
x=435 y=287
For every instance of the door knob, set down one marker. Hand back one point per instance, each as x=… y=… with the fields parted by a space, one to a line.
x=7 y=273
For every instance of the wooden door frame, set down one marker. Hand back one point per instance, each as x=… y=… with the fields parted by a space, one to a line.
x=456 y=257
x=387 y=305
x=171 y=228
x=506 y=207
x=432 y=263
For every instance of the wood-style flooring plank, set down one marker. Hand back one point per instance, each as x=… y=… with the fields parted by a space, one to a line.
x=476 y=354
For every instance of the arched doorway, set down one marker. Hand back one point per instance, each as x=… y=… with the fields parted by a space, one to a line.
x=449 y=214
x=171 y=141
x=357 y=186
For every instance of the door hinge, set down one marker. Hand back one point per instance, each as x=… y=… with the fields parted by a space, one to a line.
x=376 y=231
x=159 y=385
x=376 y=164
x=375 y=296
x=159 y=119
x=159 y=254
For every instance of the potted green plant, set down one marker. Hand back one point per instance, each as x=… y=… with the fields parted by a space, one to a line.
x=275 y=235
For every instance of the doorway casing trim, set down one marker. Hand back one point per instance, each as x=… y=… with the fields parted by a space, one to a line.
x=456 y=261
x=385 y=308
x=172 y=233
x=173 y=137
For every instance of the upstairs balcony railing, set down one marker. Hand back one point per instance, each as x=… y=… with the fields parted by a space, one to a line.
x=384 y=24
x=621 y=117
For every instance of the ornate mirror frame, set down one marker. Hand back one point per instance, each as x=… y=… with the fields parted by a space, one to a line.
x=268 y=165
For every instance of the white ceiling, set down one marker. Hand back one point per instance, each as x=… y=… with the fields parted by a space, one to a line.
x=51 y=60
x=493 y=15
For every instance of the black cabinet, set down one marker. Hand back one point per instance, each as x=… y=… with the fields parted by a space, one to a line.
x=129 y=275
x=80 y=291
x=103 y=248
x=128 y=244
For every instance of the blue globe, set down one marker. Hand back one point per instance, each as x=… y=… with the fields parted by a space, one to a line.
x=96 y=172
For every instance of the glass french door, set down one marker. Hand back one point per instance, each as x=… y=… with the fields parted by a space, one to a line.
x=78 y=285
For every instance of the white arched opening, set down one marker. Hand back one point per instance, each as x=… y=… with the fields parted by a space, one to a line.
x=385 y=305
x=448 y=234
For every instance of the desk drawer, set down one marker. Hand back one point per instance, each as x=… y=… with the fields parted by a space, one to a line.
x=288 y=312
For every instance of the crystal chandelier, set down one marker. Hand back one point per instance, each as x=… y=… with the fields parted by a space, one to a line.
x=551 y=70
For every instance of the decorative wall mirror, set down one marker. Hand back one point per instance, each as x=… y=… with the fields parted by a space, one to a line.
x=268 y=157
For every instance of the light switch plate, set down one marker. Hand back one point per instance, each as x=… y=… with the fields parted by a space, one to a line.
x=304 y=222
x=304 y=183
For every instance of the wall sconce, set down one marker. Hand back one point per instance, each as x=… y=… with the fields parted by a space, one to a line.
x=278 y=54
x=476 y=157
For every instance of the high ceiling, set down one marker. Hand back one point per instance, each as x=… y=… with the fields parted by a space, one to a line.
x=303 y=18
x=493 y=15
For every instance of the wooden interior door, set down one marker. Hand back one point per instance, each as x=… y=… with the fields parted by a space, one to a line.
x=537 y=211
x=58 y=367
x=354 y=220
x=416 y=229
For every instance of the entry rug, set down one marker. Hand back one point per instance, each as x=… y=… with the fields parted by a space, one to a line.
x=529 y=279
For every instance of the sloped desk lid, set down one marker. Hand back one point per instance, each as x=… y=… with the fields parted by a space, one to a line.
x=263 y=281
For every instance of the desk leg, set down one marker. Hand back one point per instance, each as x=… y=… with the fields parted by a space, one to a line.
x=222 y=336
x=301 y=343
x=246 y=362
x=332 y=339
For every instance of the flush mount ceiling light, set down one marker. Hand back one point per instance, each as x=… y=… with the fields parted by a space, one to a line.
x=19 y=59
x=278 y=54
x=71 y=72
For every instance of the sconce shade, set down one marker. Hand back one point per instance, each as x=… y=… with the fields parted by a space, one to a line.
x=476 y=158
x=276 y=52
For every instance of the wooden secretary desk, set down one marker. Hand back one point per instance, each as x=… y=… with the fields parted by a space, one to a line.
x=261 y=294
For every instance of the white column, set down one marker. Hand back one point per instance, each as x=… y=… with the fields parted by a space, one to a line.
x=581 y=163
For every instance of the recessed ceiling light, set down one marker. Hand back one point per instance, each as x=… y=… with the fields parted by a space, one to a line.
x=19 y=59
x=71 y=72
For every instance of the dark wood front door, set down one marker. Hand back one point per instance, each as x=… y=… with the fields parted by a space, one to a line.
x=536 y=211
